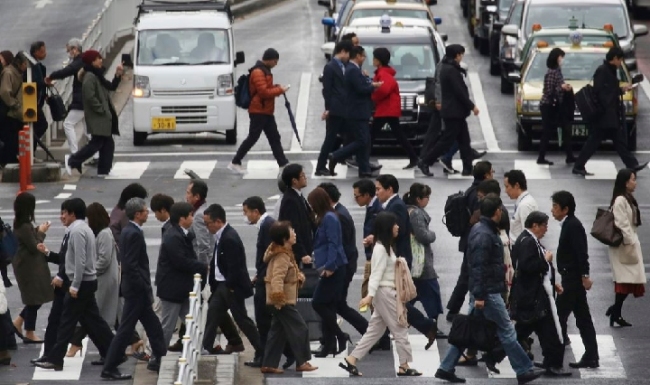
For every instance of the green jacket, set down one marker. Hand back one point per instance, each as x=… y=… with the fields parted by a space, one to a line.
x=99 y=113
x=11 y=93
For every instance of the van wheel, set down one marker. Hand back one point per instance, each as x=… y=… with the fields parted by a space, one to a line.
x=139 y=138
x=231 y=135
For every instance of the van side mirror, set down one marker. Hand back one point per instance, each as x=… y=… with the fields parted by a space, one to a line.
x=328 y=22
x=510 y=30
x=240 y=58
x=437 y=20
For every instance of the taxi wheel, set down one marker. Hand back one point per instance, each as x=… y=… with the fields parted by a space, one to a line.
x=524 y=142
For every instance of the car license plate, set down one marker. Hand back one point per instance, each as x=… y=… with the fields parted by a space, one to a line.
x=579 y=131
x=163 y=124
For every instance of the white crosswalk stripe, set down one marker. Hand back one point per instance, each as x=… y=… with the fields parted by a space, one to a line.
x=72 y=367
x=268 y=169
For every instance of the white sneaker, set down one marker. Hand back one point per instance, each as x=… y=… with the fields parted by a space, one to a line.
x=68 y=170
x=237 y=168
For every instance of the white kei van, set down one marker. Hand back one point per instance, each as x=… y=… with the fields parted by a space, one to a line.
x=184 y=69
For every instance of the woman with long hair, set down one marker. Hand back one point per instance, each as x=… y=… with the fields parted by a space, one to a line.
x=30 y=267
x=107 y=293
x=626 y=259
x=423 y=272
x=283 y=279
x=330 y=261
x=382 y=295
x=550 y=106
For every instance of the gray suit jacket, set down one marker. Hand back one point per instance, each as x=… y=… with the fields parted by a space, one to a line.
x=203 y=241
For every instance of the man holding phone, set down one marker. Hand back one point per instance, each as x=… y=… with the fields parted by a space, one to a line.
x=261 y=111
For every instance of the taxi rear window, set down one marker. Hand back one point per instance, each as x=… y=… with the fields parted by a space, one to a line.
x=410 y=61
x=410 y=13
x=576 y=66
x=588 y=16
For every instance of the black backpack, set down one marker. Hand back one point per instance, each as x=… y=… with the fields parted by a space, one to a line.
x=457 y=213
x=243 y=92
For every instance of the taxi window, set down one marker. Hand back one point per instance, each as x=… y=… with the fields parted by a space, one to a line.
x=504 y=5
x=410 y=61
x=588 y=16
x=576 y=66
x=407 y=13
x=345 y=11
x=515 y=14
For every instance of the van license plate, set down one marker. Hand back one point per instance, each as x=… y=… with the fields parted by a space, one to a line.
x=163 y=124
x=579 y=131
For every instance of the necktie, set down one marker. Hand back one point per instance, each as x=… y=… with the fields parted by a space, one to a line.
x=64 y=242
x=342 y=67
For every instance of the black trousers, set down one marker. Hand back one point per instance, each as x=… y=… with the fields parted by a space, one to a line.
x=40 y=126
x=138 y=308
x=9 y=129
x=105 y=145
x=325 y=302
x=84 y=310
x=262 y=123
x=433 y=133
x=335 y=126
x=54 y=320
x=220 y=302
x=359 y=145
x=264 y=316
x=352 y=316
x=29 y=314
x=455 y=130
x=574 y=300
x=287 y=329
x=396 y=131
x=550 y=123
x=547 y=334
x=596 y=136
x=457 y=297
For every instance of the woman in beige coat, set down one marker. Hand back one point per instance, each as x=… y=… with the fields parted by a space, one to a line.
x=626 y=259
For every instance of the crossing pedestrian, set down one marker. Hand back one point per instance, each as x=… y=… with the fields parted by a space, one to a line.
x=11 y=81
x=261 y=111
x=517 y=188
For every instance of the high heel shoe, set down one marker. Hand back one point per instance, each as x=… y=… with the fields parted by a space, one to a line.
x=620 y=321
x=343 y=339
x=609 y=311
x=72 y=352
x=326 y=351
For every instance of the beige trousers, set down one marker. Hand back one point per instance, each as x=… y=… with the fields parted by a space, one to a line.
x=385 y=316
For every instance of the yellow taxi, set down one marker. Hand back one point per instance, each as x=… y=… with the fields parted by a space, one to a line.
x=578 y=67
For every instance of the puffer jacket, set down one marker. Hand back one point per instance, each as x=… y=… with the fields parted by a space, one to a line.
x=485 y=259
x=11 y=93
x=283 y=277
x=263 y=91
x=386 y=98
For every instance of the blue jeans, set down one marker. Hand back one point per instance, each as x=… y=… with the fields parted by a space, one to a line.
x=495 y=311
x=429 y=295
x=450 y=154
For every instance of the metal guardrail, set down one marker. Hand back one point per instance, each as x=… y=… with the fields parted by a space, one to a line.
x=188 y=363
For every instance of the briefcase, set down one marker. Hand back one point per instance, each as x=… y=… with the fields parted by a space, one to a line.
x=312 y=276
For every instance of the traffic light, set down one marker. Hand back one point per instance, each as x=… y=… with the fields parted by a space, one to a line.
x=30 y=103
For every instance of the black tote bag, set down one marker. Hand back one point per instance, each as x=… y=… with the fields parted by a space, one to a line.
x=57 y=107
x=473 y=331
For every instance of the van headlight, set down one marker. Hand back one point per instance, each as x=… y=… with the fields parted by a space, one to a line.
x=225 y=85
x=141 y=88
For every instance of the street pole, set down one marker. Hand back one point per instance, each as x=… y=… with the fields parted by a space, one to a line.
x=31 y=125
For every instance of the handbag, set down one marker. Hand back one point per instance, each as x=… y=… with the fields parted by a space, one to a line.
x=604 y=228
x=587 y=103
x=312 y=276
x=57 y=107
x=473 y=331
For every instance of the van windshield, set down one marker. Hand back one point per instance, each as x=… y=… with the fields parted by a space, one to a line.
x=183 y=47
x=588 y=16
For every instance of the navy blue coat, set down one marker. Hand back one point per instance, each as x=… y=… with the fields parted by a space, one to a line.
x=328 y=247
x=403 y=244
x=359 y=90
x=335 y=91
x=349 y=235
x=369 y=223
x=485 y=258
x=136 y=275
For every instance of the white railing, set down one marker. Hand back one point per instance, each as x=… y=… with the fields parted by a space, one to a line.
x=188 y=363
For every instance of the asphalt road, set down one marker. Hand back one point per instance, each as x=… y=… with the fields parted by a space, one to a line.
x=294 y=30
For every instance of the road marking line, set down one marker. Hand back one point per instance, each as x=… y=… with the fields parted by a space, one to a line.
x=484 y=115
x=261 y=169
x=203 y=153
x=128 y=170
x=610 y=362
x=505 y=368
x=532 y=170
x=341 y=171
x=203 y=168
x=396 y=168
x=327 y=367
x=301 y=111
x=274 y=197
x=69 y=187
x=645 y=86
x=602 y=169
x=40 y=202
x=424 y=361
x=457 y=164
x=63 y=196
x=71 y=367
x=42 y=3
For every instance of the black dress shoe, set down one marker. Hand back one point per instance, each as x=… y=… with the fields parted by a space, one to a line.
x=375 y=167
x=324 y=172
x=49 y=365
x=365 y=175
x=101 y=362
x=39 y=359
x=256 y=363
x=544 y=162
x=412 y=164
x=557 y=372
x=153 y=364
x=640 y=167
x=115 y=374
x=331 y=164
x=425 y=169
x=176 y=347
x=478 y=154
x=582 y=172
x=591 y=364
x=449 y=377
x=538 y=364
x=529 y=376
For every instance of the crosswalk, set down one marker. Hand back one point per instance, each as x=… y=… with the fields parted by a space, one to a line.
x=269 y=169
x=385 y=364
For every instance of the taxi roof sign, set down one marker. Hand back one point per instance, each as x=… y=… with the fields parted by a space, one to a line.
x=385 y=23
x=608 y=27
x=537 y=27
x=575 y=38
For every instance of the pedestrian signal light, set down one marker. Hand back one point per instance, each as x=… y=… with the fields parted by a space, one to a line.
x=608 y=44
x=30 y=104
x=608 y=27
x=537 y=27
x=542 y=44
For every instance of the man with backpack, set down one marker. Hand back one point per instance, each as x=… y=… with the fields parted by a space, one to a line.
x=461 y=213
x=261 y=106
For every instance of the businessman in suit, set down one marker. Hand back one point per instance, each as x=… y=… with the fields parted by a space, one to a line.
x=359 y=112
x=573 y=265
x=335 y=97
x=230 y=285
x=255 y=212
x=296 y=210
x=137 y=292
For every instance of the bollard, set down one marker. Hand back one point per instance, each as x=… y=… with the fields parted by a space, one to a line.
x=24 y=160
